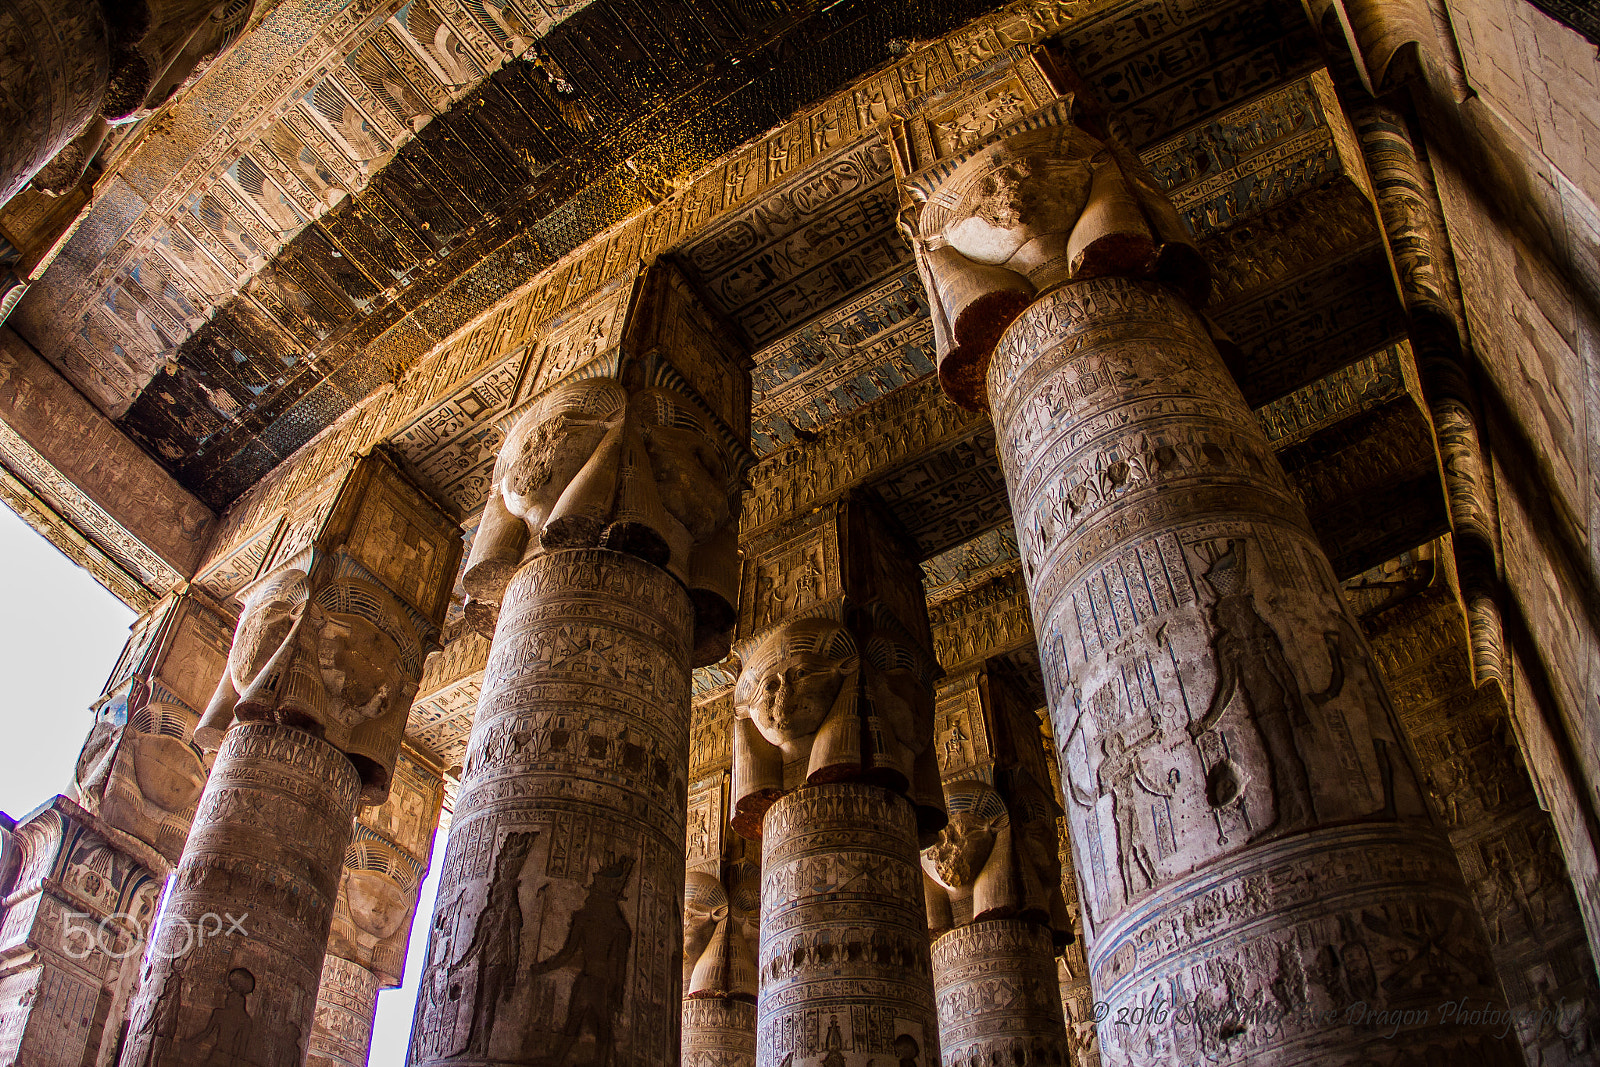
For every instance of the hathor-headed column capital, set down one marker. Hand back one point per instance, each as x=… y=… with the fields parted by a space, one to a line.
x=332 y=639
x=1010 y=186
x=641 y=451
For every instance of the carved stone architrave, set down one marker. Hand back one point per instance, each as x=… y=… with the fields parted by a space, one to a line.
x=306 y=723
x=1425 y=270
x=606 y=562
x=77 y=901
x=1218 y=713
x=1508 y=848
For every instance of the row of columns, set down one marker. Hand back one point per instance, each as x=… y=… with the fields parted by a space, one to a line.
x=1253 y=843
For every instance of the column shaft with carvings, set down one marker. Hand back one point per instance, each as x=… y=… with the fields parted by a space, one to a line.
x=993 y=883
x=306 y=723
x=384 y=867
x=135 y=785
x=606 y=549
x=721 y=898
x=834 y=771
x=1252 y=836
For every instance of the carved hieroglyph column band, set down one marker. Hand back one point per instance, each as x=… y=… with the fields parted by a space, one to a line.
x=844 y=942
x=607 y=546
x=1250 y=832
x=557 y=918
x=268 y=836
x=998 y=998
x=306 y=722
x=347 y=1002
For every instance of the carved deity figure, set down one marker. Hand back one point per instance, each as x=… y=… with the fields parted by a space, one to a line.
x=1019 y=208
x=228 y=1028
x=598 y=940
x=1251 y=663
x=720 y=927
x=325 y=654
x=496 y=945
x=642 y=471
x=1122 y=776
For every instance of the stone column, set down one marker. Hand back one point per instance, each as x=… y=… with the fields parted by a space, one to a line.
x=607 y=543
x=1256 y=854
x=77 y=928
x=384 y=867
x=306 y=722
x=834 y=771
x=721 y=906
x=993 y=885
x=721 y=920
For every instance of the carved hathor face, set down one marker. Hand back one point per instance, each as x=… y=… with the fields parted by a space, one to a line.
x=549 y=446
x=297 y=661
x=1014 y=201
x=958 y=855
x=273 y=660
x=794 y=678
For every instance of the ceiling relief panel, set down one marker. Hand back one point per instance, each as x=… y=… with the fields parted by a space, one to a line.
x=251 y=345
x=948 y=497
x=197 y=207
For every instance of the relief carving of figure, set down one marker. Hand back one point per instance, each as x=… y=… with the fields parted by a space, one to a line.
x=325 y=653
x=496 y=945
x=1122 y=775
x=598 y=942
x=228 y=1029
x=641 y=471
x=1251 y=663
x=1021 y=207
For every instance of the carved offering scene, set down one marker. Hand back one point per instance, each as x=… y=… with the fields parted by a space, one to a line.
x=749 y=533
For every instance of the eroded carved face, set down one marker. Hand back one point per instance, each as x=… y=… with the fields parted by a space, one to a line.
x=1015 y=201
x=550 y=445
x=360 y=668
x=377 y=904
x=273 y=660
x=691 y=478
x=958 y=854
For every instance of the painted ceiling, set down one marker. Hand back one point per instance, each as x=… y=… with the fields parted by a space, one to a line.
x=355 y=183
